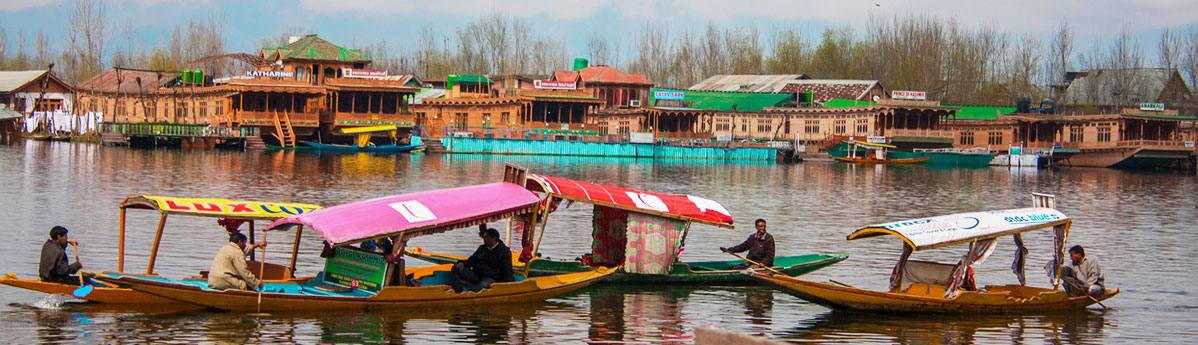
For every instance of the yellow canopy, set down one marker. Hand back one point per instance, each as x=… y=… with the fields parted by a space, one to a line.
x=862 y=143
x=220 y=208
x=366 y=129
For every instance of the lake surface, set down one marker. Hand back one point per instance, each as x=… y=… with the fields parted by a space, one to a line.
x=1140 y=225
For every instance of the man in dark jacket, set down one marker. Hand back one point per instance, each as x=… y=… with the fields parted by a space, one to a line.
x=760 y=246
x=54 y=266
x=490 y=263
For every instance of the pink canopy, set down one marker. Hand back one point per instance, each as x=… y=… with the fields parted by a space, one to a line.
x=414 y=214
x=684 y=207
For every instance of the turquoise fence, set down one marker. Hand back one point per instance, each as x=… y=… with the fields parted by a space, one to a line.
x=570 y=148
x=178 y=130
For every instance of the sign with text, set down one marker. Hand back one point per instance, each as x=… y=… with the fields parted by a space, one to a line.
x=909 y=95
x=1152 y=106
x=363 y=73
x=874 y=139
x=555 y=84
x=356 y=269
x=270 y=74
x=669 y=95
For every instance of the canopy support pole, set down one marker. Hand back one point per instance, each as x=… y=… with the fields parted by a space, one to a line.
x=537 y=245
x=508 y=241
x=157 y=240
x=685 y=231
x=120 y=261
x=295 y=248
x=253 y=251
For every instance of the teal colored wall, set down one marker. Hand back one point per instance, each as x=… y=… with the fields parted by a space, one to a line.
x=569 y=148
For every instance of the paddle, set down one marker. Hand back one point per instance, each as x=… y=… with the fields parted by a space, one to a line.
x=755 y=263
x=1086 y=292
x=84 y=289
x=262 y=273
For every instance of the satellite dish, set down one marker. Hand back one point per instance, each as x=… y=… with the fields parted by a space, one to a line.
x=876 y=98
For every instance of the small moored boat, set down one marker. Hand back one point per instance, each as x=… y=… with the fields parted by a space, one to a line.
x=362 y=142
x=226 y=210
x=875 y=154
x=929 y=287
x=359 y=279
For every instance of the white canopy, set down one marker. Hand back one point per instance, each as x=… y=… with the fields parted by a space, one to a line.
x=928 y=233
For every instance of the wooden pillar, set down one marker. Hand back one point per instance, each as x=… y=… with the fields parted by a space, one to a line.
x=295 y=248
x=120 y=263
x=157 y=240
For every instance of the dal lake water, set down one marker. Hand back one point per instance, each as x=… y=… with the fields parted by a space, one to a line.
x=1140 y=225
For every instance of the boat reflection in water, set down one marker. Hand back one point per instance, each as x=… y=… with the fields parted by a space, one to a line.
x=843 y=326
x=644 y=314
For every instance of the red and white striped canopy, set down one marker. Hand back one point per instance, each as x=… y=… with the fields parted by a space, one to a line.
x=685 y=207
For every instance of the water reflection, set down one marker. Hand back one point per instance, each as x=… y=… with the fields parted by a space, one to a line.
x=838 y=326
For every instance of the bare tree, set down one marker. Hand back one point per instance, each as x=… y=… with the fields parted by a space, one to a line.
x=788 y=53
x=600 y=50
x=86 y=40
x=1023 y=68
x=43 y=54
x=1058 y=61
x=1169 y=48
x=3 y=48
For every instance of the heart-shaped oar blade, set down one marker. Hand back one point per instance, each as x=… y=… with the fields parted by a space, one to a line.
x=83 y=291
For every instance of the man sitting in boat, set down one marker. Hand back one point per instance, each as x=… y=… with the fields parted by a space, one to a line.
x=54 y=266
x=229 y=270
x=382 y=245
x=1083 y=274
x=760 y=246
x=490 y=263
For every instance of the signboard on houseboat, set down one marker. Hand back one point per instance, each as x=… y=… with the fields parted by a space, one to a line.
x=555 y=84
x=363 y=73
x=875 y=139
x=909 y=95
x=669 y=95
x=1152 y=106
x=270 y=74
x=356 y=269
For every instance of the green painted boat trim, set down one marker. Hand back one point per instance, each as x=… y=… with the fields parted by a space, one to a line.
x=701 y=272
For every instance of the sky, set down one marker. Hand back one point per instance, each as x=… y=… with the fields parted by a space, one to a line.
x=572 y=21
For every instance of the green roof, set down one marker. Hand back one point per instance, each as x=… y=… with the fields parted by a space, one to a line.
x=315 y=48
x=965 y=112
x=1161 y=116
x=474 y=79
x=724 y=101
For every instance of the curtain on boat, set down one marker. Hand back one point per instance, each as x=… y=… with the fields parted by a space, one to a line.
x=610 y=228
x=978 y=252
x=653 y=243
x=1020 y=260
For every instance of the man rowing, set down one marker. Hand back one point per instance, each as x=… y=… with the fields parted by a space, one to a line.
x=229 y=270
x=760 y=246
x=1083 y=275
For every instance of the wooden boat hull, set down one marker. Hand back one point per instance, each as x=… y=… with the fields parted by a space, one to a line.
x=997 y=300
x=883 y=161
x=101 y=294
x=710 y=272
x=378 y=149
x=528 y=290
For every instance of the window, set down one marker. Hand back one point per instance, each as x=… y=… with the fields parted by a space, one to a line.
x=811 y=126
x=623 y=128
x=220 y=108
x=505 y=117
x=120 y=108
x=204 y=110
x=765 y=126
x=723 y=124
x=995 y=138
x=181 y=110
x=1077 y=134
x=744 y=125
x=966 y=138
x=839 y=126
x=603 y=129
x=1104 y=134
x=486 y=119
x=786 y=126
x=862 y=126
x=459 y=119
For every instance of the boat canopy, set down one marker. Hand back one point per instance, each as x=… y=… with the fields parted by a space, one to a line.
x=366 y=129
x=683 y=207
x=934 y=232
x=414 y=214
x=220 y=208
x=875 y=145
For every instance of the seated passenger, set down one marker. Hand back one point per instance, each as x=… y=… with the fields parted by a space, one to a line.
x=229 y=270
x=382 y=245
x=490 y=263
x=54 y=266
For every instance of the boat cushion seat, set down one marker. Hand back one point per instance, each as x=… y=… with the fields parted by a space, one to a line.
x=925 y=272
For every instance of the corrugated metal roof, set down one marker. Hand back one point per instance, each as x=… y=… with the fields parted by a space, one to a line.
x=428 y=94
x=107 y=81
x=12 y=80
x=1100 y=86
x=747 y=82
x=827 y=89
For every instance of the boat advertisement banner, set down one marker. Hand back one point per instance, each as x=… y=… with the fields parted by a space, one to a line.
x=230 y=208
x=555 y=84
x=932 y=231
x=356 y=270
x=669 y=95
x=909 y=95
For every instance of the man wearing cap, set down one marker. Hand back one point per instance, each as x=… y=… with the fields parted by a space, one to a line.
x=490 y=263
x=54 y=266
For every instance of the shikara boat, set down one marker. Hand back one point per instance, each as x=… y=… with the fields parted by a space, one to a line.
x=929 y=287
x=227 y=210
x=640 y=235
x=362 y=141
x=875 y=154
x=358 y=279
